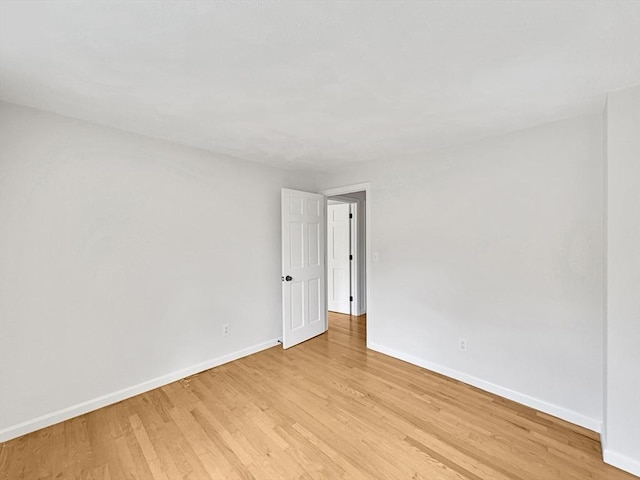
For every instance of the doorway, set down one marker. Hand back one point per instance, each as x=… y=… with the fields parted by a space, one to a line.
x=340 y=261
x=304 y=267
x=347 y=253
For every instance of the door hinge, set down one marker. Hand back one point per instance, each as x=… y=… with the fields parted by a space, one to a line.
x=350 y=257
x=351 y=299
x=351 y=215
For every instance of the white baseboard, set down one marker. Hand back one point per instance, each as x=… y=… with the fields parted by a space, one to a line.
x=90 y=405
x=618 y=460
x=541 y=405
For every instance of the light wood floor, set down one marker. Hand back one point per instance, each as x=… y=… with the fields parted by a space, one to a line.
x=325 y=409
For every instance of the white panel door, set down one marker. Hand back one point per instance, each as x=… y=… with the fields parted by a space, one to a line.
x=304 y=312
x=338 y=263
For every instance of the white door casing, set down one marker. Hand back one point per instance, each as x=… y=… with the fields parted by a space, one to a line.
x=304 y=312
x=338 y=263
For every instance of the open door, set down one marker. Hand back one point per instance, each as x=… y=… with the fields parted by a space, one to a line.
x=339 y=258
x=304 y=312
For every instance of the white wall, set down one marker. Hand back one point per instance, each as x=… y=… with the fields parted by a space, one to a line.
x=621 y=434
x=121 y=257
x=499 y=242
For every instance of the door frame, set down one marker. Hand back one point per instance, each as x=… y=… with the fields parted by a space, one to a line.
x=345 y=190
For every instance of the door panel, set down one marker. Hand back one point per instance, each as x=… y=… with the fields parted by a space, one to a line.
x=296 y=239
x=314 y=245
x=315 y=292
x=303 y=245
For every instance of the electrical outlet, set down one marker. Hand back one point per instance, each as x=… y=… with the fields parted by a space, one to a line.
x=462 y=344
x=226 y=330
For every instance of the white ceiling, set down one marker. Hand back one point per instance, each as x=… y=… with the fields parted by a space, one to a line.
x=317 y=84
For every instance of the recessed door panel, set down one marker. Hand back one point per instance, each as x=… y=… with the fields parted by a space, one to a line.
x=313 y=207
x=315 y=315
x=296 y=240
x=314 y=245
x=340 y=242
x=296 y=205
x=297 y=305
x=340 y=284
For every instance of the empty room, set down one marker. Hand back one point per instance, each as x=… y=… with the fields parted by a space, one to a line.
x=320 y=240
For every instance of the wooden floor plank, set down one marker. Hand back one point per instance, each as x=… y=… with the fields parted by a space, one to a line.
x=326 y=409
